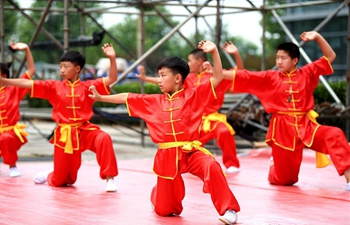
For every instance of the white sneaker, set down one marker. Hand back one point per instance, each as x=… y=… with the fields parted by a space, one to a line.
x=41 y=177
x=230 y=217
x=232 y=169
x=347 y=187
x=111 y=186
x=14 y=172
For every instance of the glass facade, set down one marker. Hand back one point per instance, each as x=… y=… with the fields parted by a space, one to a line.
x=305 y=18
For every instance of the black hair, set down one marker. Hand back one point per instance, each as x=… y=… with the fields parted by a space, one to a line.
x=176 y=65
x=291 y=48
x=74 y=57
x=5 y=68
x=199 y=54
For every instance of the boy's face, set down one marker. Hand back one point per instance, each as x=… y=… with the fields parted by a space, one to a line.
x=69 y=71
x=284 y=62
x=194 y=64
x=167 y=81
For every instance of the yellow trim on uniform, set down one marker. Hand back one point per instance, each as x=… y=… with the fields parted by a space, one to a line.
x=215 y=117
x=104 y=85
x=66 y=135
x=330 y=65
x=233 y=79
x=321 y=158
x=127 y=104
x=186 y=146
x=32 y=88
x=18 y=129
x=213 y=88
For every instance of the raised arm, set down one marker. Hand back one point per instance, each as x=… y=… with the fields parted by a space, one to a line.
x=231 y=49
x=109 y=52
x=142 y=76
x=29 y=57
x=208 y=46
x=325 y=47
x=116 y=99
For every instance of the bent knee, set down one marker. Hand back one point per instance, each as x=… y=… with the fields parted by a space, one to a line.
x=284 y=181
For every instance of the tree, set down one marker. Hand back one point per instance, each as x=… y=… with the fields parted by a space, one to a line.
x=47 y=52
x=155 y=29
x=11 y=18
x=248 y=50
x=274 y=32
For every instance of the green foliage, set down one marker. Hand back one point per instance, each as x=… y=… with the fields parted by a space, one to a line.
x=133 y=87
x=11 y=18
x=10 y=26
x=321 y=94
x=155 y=30
x=247 y=49
x=54 y=23
x=323 y=99
x=37 y=102
x=274 y=32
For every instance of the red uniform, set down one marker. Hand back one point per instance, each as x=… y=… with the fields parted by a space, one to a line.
x=173 y=123
x=72 y=110
x=214 y=124
x=12 y=137
x=289 y=97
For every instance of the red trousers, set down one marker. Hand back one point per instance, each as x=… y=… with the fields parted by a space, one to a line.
x=66 y=166
x=225 y=141
x=167 y=195
x=9 y=145
x=328 y=140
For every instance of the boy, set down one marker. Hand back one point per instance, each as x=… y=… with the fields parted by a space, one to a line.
x=214 y=124
x=12 y=135
x=72 y=110
x=288 y=95
x=173 y=119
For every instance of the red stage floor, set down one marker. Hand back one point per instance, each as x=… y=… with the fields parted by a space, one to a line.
x=318 y=198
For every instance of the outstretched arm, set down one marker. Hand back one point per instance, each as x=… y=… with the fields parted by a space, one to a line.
x=142 y=76
x=208 y=46
x=231 y=49
x=18 y=82
x=29 y=57
x=228 y=74
x=109 y=52
x=325 y=47
x=117 y=98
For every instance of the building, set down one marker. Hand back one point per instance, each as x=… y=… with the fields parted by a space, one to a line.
x=305 y=18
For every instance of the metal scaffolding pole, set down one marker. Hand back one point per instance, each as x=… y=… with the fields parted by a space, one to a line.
x=328 y=18
x=2 y=32
x=36 y=33
x=47 y=33
x=171 y=25
x=130 y=53
x=83 y=29
x=263 y=39
x=66 y=26
x=140 y=51
x=347 y=127
x=159 y=43
x=218 y=24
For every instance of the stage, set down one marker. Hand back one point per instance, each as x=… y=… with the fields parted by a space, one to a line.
x=318 y=198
